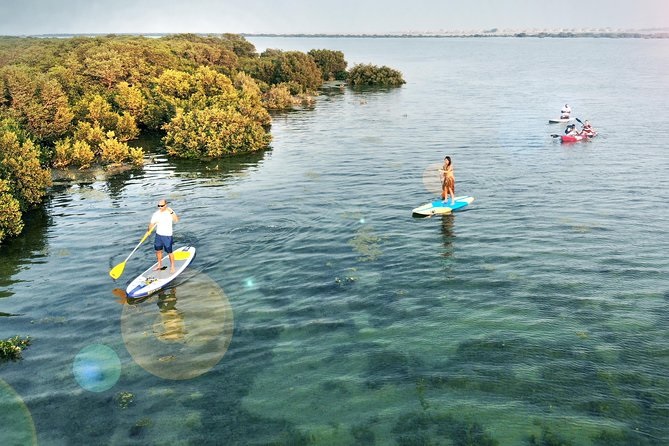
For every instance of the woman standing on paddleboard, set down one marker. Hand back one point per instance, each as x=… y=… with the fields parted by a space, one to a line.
x=447 y=180
x=162 y=219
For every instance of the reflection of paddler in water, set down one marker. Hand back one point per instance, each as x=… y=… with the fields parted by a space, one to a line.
x=447 y=233
x=123 y=299
x=170 y=325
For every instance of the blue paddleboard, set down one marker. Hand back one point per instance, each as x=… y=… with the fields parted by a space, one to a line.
x=442 y=207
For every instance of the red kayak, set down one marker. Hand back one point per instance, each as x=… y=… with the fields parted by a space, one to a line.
x=576 y=138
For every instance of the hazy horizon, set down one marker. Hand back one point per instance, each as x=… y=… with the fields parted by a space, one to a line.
x=40 y=17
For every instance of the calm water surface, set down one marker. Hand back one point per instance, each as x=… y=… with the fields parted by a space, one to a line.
x=318 y=311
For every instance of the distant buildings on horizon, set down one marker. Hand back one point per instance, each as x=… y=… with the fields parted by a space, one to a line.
x=496 y=32
x=490 y=32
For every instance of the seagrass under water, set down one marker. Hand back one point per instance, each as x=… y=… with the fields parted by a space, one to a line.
x=539 y=314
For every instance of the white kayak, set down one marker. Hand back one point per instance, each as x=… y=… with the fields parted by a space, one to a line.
x=153 y=280
x=443 y=207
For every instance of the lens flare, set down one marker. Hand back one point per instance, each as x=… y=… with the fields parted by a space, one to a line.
x=97 y=368
x=179 y=333
x=16 y=423
x=431 y=179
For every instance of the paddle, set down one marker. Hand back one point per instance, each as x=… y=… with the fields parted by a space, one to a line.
x=116 y=271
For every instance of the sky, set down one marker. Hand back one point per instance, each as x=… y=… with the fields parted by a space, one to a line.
x=35 y=17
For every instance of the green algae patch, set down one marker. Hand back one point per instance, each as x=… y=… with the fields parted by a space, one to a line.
x=11 y=349
x=366 y=243
x=124 y=399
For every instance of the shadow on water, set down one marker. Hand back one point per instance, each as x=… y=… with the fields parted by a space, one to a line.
x=87 y=181
x=116 y=179
x=447 y=234
x=29 y=248
x=333 y=89
x=115 y=184
x=218 y=168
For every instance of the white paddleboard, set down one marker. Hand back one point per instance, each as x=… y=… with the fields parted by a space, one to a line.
x=441 y=207
x=559 y=120
x=151 y=280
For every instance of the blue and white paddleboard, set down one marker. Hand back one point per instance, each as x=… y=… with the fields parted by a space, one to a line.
x=151 y=280
x=441 y=207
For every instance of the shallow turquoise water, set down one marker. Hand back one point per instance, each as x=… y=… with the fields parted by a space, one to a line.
x=318 y=311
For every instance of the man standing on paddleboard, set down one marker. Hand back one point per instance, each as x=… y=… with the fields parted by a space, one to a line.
x=162 y=220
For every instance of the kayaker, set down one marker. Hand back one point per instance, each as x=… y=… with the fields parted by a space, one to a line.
x=571 y=130
x=447 y=180
x=587 y=129
x=565 y=112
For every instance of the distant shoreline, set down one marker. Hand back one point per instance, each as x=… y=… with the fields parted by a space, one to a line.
x=560 y=35
x=639 y=34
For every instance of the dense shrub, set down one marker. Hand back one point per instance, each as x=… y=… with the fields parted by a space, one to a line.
x=331 y=63
x=276 y=67
x=23 y=181
x=38 y=103
x=20 y=167
x=78 y=154
x=113 y=151
x=213 y=132
x=278 y=98
x=217 y=117
x=11 y=224
x=363 y=75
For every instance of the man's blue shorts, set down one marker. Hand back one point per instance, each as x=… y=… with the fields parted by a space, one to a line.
x=163 y=242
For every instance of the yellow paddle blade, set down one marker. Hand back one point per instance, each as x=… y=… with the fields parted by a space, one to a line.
x=116 y=271
x=182 y=255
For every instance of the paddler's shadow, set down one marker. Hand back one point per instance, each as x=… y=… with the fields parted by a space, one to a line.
x=169 y=327
x=447 y=222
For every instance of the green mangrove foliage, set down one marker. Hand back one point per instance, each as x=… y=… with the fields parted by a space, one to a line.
x=367 y=75
x=37 y=102
x=23 y=180
x=11 y=223
x=294 y=68
x=81 y=100
x=214 y=117
x=10 y=349
x=331 y=63
x=278 y=97
x=78 y=102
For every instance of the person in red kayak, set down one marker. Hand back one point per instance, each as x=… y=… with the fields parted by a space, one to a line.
x=571 y=130
x=587 y=129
